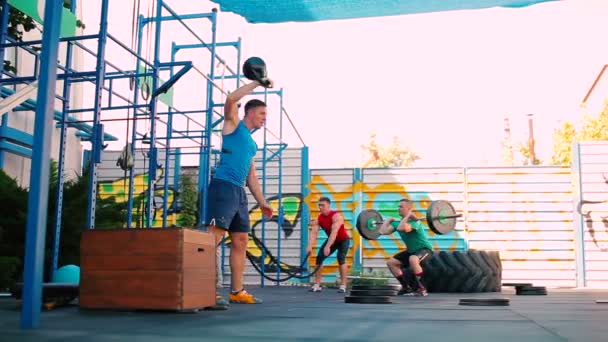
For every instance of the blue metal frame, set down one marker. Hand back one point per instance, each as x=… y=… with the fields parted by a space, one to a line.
x=47 y=71
x=3 y=123
x=266 y=159
x=305 y=217
x=97 y=140
x=153 y=105
x=61 y=162
x=39 y=175
x=358 y=179
x=204 y=160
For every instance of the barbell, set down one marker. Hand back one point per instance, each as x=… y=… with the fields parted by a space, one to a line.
x=440 y=216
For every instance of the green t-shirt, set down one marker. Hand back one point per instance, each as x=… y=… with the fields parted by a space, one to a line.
x=415 y=239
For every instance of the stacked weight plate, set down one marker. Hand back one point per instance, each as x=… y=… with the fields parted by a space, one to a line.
x=527 y=289
x=371 y=294
x=484 y=301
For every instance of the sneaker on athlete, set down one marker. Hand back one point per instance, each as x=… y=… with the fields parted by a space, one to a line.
x=342 y=289
x=315 y=288
x=421 y=292
x=243 y=297
x=405 y=291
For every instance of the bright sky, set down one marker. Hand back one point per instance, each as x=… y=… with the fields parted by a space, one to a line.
x=441 y=82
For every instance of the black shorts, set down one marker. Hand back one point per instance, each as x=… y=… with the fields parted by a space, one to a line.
x=342 y=248
x=404 y=257
x=227 y=206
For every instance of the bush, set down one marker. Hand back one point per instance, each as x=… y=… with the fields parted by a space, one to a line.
x=13 y=219
x=189 y=202
x=9 y=270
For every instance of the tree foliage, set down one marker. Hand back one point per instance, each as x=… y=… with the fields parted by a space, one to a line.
x=19 y=23
x=189 y=201
x=395 y=155
x=524 y=150
x=593 y=128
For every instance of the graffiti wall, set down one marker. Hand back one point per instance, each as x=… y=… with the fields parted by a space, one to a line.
x=523 y=212
x=280 y=235
x=114 y=182
x=549 y=223
x=591 y=164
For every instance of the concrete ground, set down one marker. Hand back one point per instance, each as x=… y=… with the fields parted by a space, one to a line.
x=293 y=314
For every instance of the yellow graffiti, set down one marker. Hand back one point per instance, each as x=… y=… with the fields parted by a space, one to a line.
x=119 y=190
x=345 y=200
x=292 y=205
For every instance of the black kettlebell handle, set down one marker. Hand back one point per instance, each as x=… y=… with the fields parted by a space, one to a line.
x=264 y=82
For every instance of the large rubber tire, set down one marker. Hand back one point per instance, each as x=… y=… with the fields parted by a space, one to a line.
x=463 y=271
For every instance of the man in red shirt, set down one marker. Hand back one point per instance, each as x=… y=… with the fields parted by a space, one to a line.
x=332 y=223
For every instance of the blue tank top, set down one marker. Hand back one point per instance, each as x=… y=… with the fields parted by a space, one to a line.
x=238 y=150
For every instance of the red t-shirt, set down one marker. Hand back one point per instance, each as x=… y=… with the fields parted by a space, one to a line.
x=326 y=221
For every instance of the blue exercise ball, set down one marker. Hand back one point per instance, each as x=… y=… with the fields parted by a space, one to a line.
x=67 y=274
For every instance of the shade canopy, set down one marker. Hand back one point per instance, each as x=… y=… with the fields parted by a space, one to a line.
x=280 y=11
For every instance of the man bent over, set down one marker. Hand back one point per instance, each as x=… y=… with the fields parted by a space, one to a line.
x=332 y=223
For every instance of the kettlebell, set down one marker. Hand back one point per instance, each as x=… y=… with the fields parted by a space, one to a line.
x=254 y=69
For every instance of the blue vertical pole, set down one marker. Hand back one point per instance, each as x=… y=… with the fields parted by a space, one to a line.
x=238 y=83
x=37 y=203
x=358 y=180
x=100 y=71
x=280 y=190
x=62 y=146
x=153 y=109
x=305 y=216
x=178 y=168
x=579 y=223
x=3 y=30
x=205 y=151
x=238 y=62
x=263 y=256
x=2 y=153
x=3 y=27
x=140 y=29
x=168 y=147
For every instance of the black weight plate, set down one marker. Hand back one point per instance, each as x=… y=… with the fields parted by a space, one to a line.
x=536 y=293
x=482 y=304
x=366 y=224
x=376 y=287
x=517 y=284
x=434 y=217
x=368 y=300
x=358 y=293
x=485 y=300
x=531 y=290
x=531 y=293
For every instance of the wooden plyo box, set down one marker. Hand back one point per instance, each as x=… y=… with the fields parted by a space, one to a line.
x=153 y=268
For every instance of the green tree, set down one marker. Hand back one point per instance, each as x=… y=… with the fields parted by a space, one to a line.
x=524 y=150
x=19 y=23
x=395 y=155
x=563 y=137
x=593 y=128
x=189 y=201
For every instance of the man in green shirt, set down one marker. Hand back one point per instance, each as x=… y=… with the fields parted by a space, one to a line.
x=418 y=248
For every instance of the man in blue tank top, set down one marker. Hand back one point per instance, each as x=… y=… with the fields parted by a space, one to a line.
x=226 y=196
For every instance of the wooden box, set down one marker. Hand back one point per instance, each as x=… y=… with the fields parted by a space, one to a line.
x=155 y=268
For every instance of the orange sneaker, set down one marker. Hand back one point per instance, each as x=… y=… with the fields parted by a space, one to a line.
x=243 y=297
